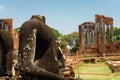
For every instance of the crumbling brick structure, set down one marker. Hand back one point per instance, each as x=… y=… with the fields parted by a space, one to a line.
x=8 y=46
x=97 y=38
x=7 y=25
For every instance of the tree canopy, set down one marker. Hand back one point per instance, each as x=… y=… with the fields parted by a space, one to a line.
x=70 y=40
x=56 y=33
x=116 y=34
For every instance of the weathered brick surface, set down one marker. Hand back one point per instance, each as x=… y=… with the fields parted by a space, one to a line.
x=97 y=37
x=14 y=34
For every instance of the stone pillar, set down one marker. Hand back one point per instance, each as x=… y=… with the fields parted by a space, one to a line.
x=112 y=34
x=112 y=31
x=80 y=38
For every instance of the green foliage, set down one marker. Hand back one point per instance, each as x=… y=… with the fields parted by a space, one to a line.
x=63 y=44
x=62 y=41
x=116 y=34
x=70 y=40
x=56 y=33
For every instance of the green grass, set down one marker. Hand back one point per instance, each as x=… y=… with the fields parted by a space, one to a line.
x=99 y=77
x=98 y=71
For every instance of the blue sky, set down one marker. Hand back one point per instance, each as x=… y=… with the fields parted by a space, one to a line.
x=63 y=15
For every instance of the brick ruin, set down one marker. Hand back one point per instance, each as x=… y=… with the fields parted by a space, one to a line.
x=7 y=25
x=8 y=47
x=97 y=38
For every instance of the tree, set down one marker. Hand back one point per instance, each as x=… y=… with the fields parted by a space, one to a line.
x=116 y=34
x=73 y=41
x=70 y=40
x=63 y=41
x=56 y=33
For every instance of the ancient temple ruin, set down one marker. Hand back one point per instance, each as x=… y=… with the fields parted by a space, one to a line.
x=7 y=25
x=6 y=47
x=97 y=37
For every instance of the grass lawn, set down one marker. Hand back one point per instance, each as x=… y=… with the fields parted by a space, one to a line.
x=98 y=71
